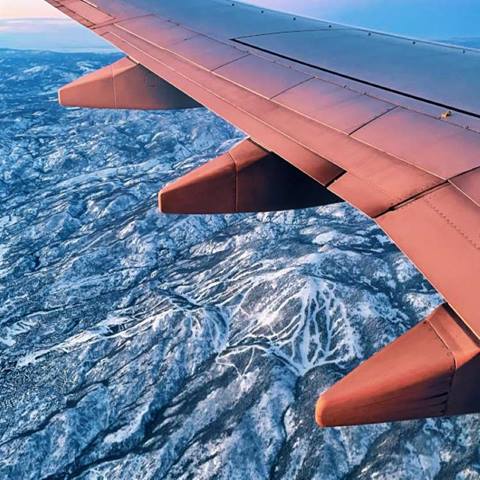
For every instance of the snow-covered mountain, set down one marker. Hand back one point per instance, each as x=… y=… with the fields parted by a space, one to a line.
x=135 y=345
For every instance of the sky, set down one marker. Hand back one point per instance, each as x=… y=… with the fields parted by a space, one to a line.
x=433 y=19
x=34 y=24
x=27 y=9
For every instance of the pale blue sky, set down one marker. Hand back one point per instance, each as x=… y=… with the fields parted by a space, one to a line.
x=419 y=18
x=433 y=19
x=27 y=8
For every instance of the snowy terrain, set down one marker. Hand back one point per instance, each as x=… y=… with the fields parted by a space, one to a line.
x=135 y=345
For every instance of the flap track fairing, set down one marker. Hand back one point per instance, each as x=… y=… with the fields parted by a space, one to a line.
x=124 y=85
x=245 y=179
x=430 y=371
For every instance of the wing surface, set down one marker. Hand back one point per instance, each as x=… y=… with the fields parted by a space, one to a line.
x=390 y=125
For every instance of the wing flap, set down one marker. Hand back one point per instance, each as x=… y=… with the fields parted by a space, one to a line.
x=428 y=143
x=363 y=194
x=375 y=182
x=337 y=107
x=440 y=233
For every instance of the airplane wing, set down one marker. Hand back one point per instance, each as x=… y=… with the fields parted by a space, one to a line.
x=389 y=124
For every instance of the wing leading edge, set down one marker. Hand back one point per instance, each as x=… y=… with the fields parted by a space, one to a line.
x=390 y=125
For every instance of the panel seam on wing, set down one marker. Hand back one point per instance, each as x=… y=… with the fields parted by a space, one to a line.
x=349 y=77
x=451 y=356
x=411 y=202
x=416 y=194
x=289 y=31
x=371 y=120
x=452 y=223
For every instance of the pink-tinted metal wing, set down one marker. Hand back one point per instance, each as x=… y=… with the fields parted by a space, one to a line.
x=388 y=124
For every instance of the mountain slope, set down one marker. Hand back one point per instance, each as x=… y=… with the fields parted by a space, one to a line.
x=136 y=345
